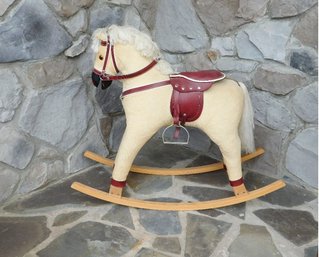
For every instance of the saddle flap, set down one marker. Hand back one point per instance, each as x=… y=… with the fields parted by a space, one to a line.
x=196 y=81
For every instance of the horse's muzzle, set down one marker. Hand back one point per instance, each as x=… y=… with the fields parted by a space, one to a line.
x=96 y=81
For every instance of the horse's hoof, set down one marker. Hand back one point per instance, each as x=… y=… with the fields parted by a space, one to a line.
x=116 y=191
x=240 y=190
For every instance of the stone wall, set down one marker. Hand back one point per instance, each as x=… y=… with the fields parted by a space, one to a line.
x=50 y=113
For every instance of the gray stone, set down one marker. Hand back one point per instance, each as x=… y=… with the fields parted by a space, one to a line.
x=304 y=147
x=47 y=72
x=91 y=239
x=67 y=218
x=278 y=79
x=212 y=213
x=157 y=154
x=109 y=99
x=272 y=141
x=225 y=45
x=78 y=47
x=198 y=61
x=218 y=16
x=11 y=94
x=242 y=246
x=217 y=178
x=272 y=112
x=118 y=128
x=288 y=8
x=132 y=18
x=120 y=215
x=91 y=142
x=47 y=153
x=303 y=30
x=142 y=184
x=171 y=245
x=147 y=11
x=58 y=115
x=271 y=38
x=311 y=251
x=42 y=35
x=21 y=234
x=8 y=182
x=47 y=166
x=144 y=252
x=207 y=194
x=105 y=126
x=252 y=9
x=15 y=149
x=234 y=64
x=121 y=2
x=299 y=227
x=77 y=23
x=282 y=197
x=203 y=235
x=67 y=8
x=246 y=49
x=198 y=141
x=62 y=194
x=160 y=223
x=102 y=16
x=305 y=60
x=4 y=5
x=176 y=18
x=245 y=77
x=84 y=64
x=305 y=103
x=40 y=174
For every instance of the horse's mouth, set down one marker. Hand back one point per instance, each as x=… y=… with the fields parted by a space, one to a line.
x=96 y=80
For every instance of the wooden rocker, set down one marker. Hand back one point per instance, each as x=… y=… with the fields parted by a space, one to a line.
x=153 y=97
x=172 y=171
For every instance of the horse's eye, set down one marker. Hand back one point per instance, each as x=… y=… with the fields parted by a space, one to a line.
x=101 y=57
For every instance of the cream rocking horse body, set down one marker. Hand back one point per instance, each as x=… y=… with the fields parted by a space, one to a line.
x=154 y=97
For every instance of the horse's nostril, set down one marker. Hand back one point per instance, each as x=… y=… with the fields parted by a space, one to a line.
x=106 y=84
x=95 y=79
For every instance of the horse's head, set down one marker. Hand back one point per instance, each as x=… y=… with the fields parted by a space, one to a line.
x=104 y=64
x=135 y=54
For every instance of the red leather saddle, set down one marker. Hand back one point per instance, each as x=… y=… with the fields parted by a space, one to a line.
x=187 y=98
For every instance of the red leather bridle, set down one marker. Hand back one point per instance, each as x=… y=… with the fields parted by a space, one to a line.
x=107 y=77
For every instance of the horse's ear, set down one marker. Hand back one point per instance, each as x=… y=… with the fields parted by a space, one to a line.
x=100 y=36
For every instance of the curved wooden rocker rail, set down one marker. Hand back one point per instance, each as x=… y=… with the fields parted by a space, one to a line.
x=173 y=171
x=183 y=206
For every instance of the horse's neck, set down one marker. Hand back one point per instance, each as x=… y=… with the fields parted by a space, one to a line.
x=132 y=61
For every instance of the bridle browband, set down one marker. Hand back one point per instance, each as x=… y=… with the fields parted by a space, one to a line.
x=107 y=77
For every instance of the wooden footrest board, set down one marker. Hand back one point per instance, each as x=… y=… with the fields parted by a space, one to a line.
x=173 y=171
x=184 y=206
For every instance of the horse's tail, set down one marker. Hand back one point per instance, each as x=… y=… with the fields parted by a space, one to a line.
x=246 y=126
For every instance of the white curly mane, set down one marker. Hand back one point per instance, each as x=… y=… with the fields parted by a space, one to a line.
x=142 y=42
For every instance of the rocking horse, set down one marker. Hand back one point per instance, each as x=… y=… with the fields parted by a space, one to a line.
x=154 y=97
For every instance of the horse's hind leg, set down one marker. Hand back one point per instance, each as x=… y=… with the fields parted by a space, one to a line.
x=230 y=147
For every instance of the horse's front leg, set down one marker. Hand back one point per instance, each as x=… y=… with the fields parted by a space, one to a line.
x=135 y=136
